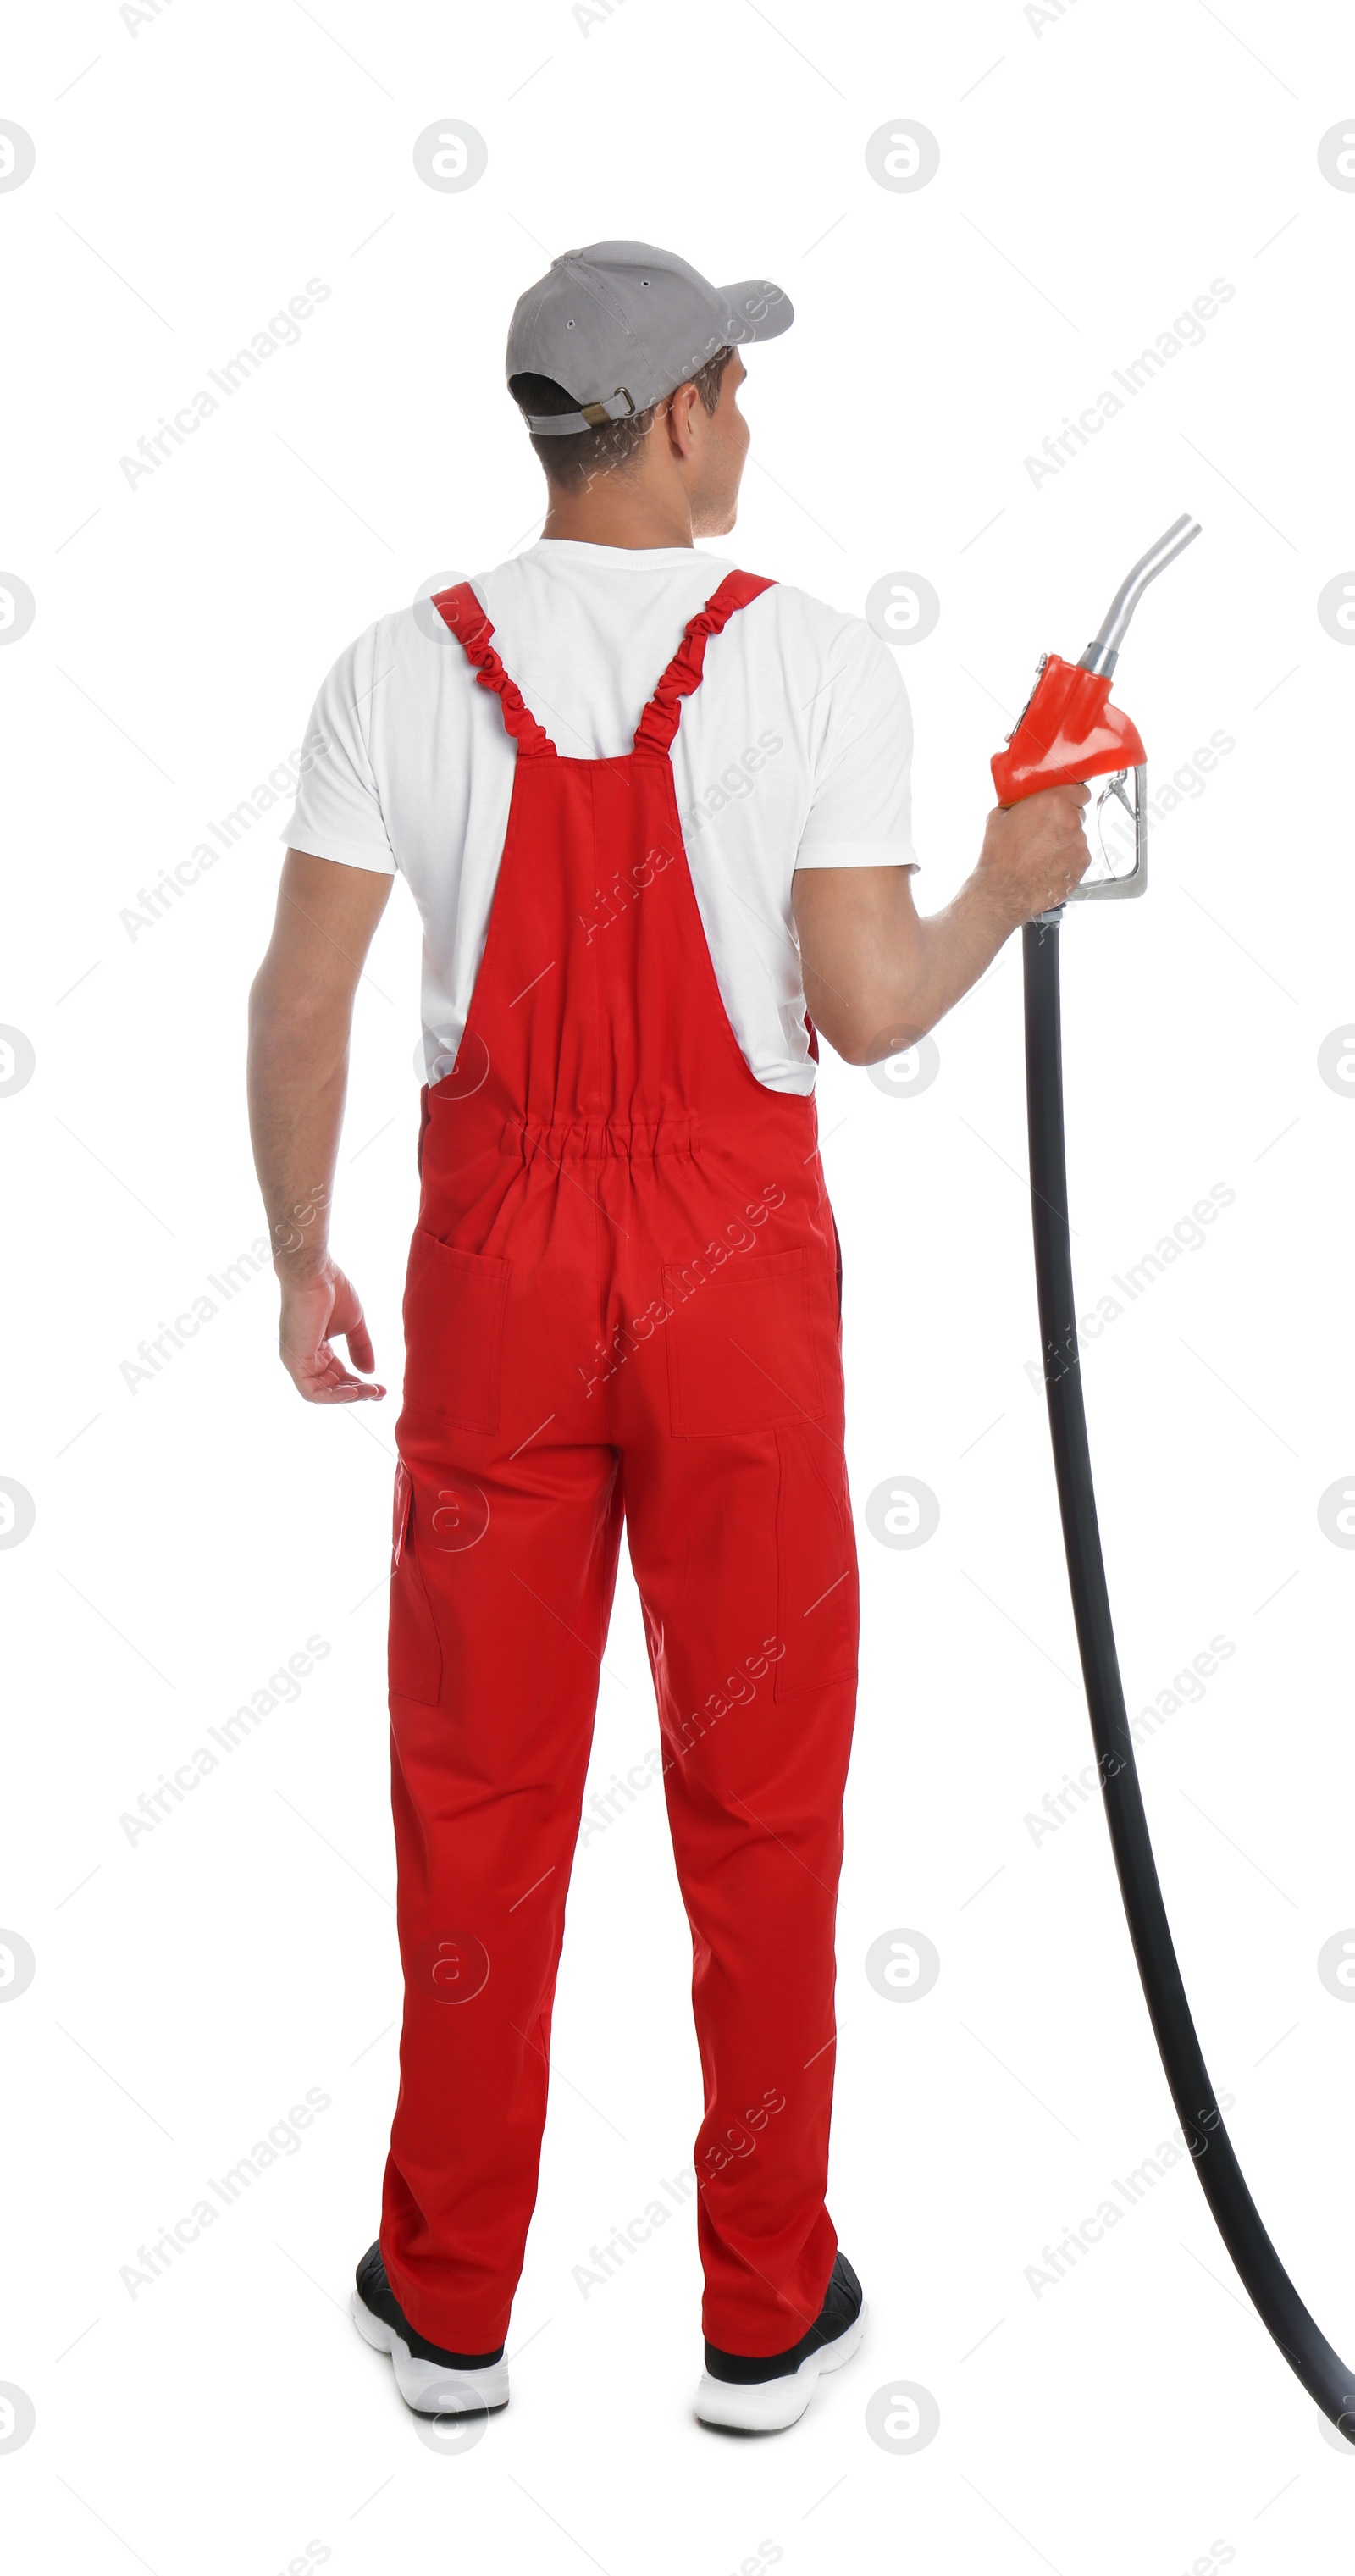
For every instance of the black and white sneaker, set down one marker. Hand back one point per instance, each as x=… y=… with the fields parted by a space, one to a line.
x=744 y=2395
x=431 y=2380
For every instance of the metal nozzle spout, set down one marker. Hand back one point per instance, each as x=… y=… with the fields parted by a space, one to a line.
x=1103 y=652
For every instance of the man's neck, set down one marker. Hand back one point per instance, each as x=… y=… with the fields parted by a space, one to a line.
x=618 y=514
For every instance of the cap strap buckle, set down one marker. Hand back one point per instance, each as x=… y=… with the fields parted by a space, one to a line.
x=595 y=413
x=569 y=424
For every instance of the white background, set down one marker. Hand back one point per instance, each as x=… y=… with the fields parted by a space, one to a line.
x=1097 y=171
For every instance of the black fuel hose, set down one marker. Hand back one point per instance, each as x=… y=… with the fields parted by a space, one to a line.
x=1272 y=2293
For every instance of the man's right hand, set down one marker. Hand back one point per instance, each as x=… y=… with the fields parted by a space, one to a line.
x=1035 y=853
x=316 y=1312
x=300 y=1020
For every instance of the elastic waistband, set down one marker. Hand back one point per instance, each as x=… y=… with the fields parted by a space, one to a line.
x=596 y=1140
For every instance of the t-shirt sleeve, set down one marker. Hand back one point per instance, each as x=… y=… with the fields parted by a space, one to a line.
x=337 y=814
x=861 y=811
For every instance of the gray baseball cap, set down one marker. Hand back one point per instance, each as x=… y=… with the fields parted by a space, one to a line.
x=621 y=323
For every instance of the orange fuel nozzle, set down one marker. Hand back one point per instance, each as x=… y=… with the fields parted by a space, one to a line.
x=1068 y=729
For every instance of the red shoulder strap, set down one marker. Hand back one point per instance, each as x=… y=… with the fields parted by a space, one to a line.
x=659 y=722
x=461 y=611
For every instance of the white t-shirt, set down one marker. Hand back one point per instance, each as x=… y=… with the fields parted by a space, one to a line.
x=795 y=751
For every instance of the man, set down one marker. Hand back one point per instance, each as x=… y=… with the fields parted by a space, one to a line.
x=650 y=807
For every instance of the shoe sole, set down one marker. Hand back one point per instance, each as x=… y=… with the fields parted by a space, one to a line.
x=429 y=2387
x=772 y=2405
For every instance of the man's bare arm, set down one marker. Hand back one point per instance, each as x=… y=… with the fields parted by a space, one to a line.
x=877 y=978
x=300 y=1019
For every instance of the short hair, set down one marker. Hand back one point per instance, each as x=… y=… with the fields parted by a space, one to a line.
x=573 y=461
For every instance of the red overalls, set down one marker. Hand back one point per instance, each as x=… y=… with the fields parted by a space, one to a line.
x=623 y=1302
